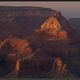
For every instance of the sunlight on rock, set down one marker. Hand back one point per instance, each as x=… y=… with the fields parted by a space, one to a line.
x=17 y=67
x=52 y=28
x=59 y=66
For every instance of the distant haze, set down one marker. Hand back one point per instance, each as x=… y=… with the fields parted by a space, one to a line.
x=68 y=9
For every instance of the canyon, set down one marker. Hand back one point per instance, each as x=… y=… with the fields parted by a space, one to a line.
x=33 y=38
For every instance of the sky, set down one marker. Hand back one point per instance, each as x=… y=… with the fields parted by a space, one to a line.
x=68 y=9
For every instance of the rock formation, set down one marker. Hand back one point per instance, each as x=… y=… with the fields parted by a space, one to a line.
x=52 y=27
x=51 y=36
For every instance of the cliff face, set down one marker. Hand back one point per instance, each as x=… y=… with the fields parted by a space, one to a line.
x=52 y=27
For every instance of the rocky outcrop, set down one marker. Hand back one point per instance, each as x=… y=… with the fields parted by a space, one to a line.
x=13 y=47
x=52 y=27
x=20 y=45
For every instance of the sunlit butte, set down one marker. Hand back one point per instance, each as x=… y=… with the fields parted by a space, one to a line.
x=53 y=27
